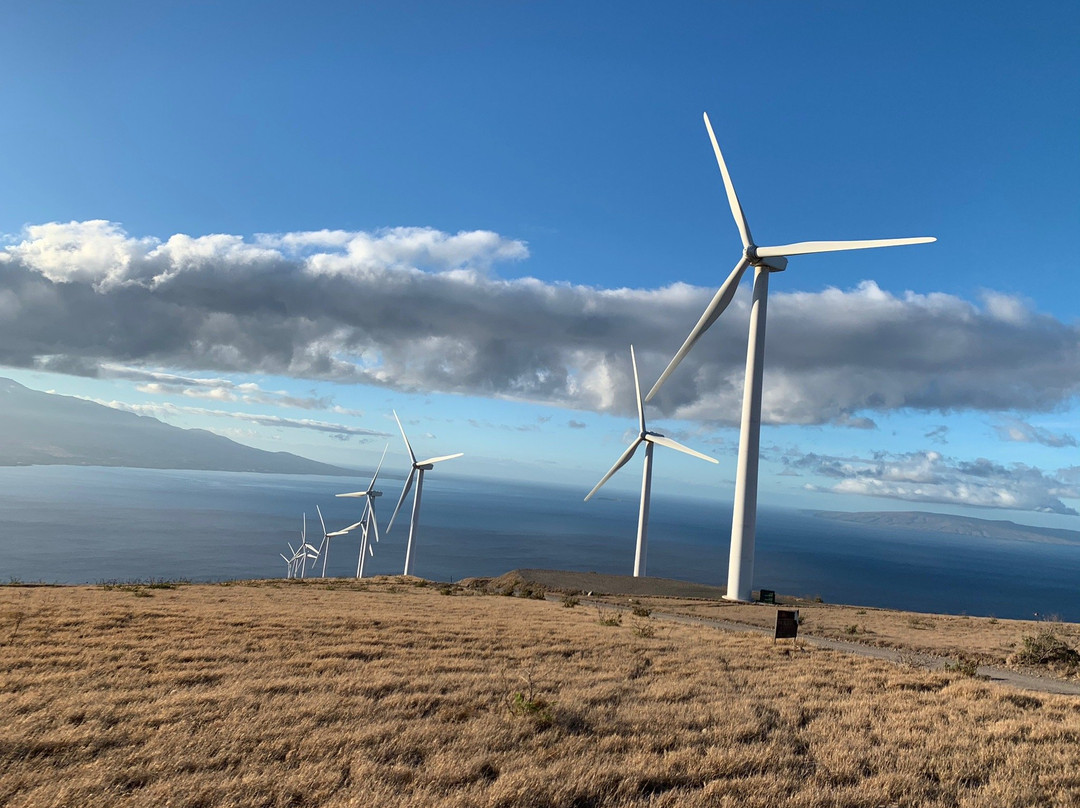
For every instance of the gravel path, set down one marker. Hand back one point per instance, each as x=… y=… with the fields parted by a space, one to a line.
x=663 y=587
x=1003 y=676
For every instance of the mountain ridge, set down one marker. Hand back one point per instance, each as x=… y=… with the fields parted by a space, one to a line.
x=38 y=428
x=927 y=521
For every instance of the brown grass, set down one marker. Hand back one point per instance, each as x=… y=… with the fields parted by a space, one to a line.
x=390 y=694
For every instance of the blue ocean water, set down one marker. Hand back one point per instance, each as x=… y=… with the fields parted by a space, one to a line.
x=70 y=524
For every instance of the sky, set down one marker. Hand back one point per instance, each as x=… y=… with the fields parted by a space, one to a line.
x=282 y=221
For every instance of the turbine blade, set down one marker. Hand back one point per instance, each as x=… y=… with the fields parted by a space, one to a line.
x=637 y=392
x=622 y=461
x=371 y=552
x=379 y=467
x=321 y=520
x=671 y=444
x=287 y=561
x=732 y=197
x=293 y=549
x=439 y=459
x=809 y=247
x=353 y=494
x=716 y=307
x=404 y=493
x=412 y=457
x=303 y=533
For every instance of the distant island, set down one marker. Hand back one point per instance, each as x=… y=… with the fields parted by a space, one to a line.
x=959 y=525
x=46 y=429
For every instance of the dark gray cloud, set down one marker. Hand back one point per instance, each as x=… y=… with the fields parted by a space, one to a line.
x=414 y=309
x=1014 y=429
x=931 y=477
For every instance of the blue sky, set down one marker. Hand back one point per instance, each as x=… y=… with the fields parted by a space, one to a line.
x=468 y=211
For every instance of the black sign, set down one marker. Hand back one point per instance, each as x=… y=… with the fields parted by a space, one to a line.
x=787 y=624
x=767 y=596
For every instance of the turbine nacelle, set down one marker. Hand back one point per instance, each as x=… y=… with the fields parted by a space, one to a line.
x=774 y=263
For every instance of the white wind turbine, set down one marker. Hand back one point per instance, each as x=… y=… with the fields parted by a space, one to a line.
x=417 y=473
x=649 y=439
x=367 y=520
x=324 y=545
x=306 y=551
x=764 y=260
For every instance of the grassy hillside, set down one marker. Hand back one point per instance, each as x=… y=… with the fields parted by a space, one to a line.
x=390 y=693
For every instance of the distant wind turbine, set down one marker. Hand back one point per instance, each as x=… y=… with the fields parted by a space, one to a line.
x=324 y=546
x=764 y=260
x=417 y=473
x=367 y=520
x=306 y=551
x=649 y=439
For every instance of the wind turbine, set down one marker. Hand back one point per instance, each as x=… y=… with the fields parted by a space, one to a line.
x=764 y=260
x=324 y=545
x=367 y=520
x=650 y=439
x=417 y=473
x=306 y=551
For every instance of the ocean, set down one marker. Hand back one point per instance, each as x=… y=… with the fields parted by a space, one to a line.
x=70 y=524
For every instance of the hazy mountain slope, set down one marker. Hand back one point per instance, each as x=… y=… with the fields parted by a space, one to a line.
x=41 y=428
x=960 y=525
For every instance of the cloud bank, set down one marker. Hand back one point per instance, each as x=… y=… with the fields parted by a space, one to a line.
x=415 y=309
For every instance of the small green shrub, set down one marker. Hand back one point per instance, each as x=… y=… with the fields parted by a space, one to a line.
x=608 y=617
x=536 y=709
x=1046 y=648
x=641 y=611
x=964 y=665
x=570 y=601
x=852 y=629
x=643 y=629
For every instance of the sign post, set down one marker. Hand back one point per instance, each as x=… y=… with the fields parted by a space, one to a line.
x=787 y=624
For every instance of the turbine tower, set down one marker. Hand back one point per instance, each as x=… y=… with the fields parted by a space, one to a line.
x=764 y=260
x=417 y=474
x=367 y=519
x=650 y=439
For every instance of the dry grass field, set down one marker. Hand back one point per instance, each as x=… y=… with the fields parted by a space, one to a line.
x=389 y=693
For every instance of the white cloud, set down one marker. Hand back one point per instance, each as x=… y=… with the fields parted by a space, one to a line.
x=930 y=477
x=1013 y=429
x=164 y=411
x=416 y=309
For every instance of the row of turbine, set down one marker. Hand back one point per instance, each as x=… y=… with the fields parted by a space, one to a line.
x=296 y=562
